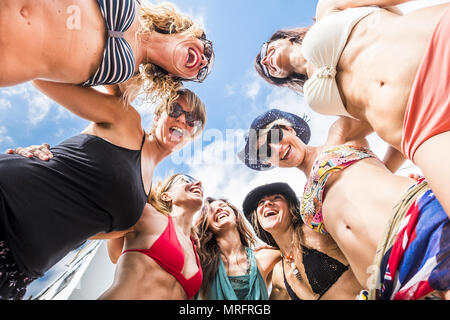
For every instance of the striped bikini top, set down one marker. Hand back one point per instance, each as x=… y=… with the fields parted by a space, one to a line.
x=118 y=62
x=330 y=161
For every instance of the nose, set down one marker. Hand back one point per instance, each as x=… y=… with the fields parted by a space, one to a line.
x=203 y=61
x=182 y=118
x=267 y=203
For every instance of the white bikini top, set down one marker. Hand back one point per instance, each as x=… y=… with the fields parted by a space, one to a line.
x=322 y=47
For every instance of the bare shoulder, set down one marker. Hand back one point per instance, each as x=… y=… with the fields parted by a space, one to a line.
x=327 y=7
x=267 y=258
x=151 y=221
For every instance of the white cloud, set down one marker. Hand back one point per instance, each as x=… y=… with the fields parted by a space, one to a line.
x=252 y=89
x=4 y=138
x=4 y=104
x=39 y=107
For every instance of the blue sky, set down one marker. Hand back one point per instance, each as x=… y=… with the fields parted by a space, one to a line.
x=233 y=93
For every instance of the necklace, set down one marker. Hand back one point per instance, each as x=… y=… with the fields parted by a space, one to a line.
x=291 y=261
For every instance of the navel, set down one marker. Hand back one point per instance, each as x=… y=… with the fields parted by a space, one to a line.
x=24 y=12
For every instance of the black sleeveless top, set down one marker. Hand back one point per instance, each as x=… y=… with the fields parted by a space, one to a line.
x=48 y=208
x=321 y=270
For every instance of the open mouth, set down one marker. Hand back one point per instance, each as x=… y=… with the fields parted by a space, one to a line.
x=286 y=153
x=197 y=190
x=192 y=58
x=270 y=213
x=176 y=133
x=221 y=215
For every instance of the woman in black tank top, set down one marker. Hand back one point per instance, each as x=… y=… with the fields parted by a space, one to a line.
x=312 y=265
x=95 y=183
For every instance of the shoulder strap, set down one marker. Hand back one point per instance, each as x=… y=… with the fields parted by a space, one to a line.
x=143 y=141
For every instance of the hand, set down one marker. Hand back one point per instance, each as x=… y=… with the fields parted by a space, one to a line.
x=42 y=152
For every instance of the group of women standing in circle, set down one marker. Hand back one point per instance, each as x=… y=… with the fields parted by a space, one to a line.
x=358 y=230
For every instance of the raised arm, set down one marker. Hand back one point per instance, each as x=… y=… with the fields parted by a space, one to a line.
x=266 y=260
x=87 y=103
x=115 y=247
x=348 y=130
x=326 y=7
x=393 y=159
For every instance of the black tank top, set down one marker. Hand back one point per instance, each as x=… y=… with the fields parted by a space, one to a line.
x=48 y=208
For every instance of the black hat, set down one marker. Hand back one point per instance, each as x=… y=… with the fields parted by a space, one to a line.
x=299 y=124
x=252 y=198
x=251 y=202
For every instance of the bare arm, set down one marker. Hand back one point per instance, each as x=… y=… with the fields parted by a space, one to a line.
x=393 y=159
x=346 y=130
x=115 y=247
x=326 y=7
x=87 y=103
x=266 y=260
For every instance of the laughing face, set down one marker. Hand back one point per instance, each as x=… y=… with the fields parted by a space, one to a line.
x=187 y=54
x=220 y=215
x=273 y=213
x=287 y=152
x=174 y=131
x=185 y=191
x=279 y=57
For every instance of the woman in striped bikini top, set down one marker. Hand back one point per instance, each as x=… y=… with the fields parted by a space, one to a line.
x=103 y=42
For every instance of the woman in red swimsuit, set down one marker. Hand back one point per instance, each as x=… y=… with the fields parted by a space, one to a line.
x=157 y=258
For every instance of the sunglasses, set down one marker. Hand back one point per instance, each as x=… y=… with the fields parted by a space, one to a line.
x=184 y=178
x=177 y=110
x=263 y=54
x=274 y=136
x=208 y=52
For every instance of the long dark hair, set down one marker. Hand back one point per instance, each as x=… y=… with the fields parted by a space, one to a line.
x=295 y=81
x=209 y=251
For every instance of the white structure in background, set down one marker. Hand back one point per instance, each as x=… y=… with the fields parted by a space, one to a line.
x=63 y=286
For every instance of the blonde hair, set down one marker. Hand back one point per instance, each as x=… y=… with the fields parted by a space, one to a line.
x=197 y=106
x=155 y=198
x=154 y=81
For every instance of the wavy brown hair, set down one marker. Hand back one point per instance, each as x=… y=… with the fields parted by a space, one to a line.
x=153 y=80
x=209 y=251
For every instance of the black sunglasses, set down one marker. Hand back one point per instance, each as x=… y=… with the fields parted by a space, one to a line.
x=274 y=136
x=177 y=110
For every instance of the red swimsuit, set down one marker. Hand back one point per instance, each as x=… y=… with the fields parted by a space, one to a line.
x=168 y=253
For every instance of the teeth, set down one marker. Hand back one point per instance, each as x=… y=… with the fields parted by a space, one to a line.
x=285 y=154
x=221 y=215
x=193 y=54
x=178 y=130
x=269 y=212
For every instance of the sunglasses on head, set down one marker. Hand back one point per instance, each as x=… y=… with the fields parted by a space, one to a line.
x=274 y=136
x=177 y=110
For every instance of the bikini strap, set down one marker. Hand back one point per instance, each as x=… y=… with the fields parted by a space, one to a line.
x=143 y=141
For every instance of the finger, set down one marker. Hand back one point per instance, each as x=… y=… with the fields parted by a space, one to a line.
x=41 y=155
x=46 y=152
x=9 y=151
x=46 y=145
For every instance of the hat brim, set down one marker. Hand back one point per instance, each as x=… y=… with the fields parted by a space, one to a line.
x=251 y=200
